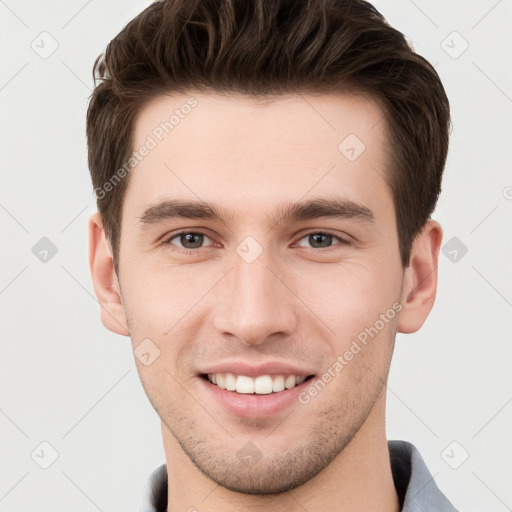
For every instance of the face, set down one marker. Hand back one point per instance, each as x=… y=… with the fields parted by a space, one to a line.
x=256 y=286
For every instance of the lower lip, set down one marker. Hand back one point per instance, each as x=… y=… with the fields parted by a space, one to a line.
x=254 y=406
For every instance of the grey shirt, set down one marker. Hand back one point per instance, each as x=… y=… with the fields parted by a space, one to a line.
x=415 y=486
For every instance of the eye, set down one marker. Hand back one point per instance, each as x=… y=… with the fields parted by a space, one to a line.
x=189 y=240
x=322 y=240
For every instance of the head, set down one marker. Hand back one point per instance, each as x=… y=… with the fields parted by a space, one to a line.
x=265 y=175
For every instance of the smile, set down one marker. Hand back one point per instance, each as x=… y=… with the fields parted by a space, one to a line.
x=260 y=385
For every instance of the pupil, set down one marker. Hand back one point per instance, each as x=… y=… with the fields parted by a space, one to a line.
x=316 y=237
x=188 y=237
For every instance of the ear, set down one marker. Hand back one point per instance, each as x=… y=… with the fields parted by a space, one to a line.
x=420 y=280
x=104 y=278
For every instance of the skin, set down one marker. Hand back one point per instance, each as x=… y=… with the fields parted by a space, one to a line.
x=297 y=302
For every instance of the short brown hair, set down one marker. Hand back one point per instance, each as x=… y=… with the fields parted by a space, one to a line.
x=264 y=48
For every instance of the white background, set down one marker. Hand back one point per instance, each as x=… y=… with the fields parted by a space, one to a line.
x=68 y=381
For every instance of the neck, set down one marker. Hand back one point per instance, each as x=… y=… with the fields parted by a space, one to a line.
x=358 y=479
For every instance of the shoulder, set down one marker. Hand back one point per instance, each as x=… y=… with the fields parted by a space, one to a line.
x=415 y=486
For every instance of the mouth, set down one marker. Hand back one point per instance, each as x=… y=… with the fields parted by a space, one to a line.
x=259 y=385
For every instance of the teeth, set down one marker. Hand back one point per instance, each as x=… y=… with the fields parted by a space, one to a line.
x=261 y=385
x=289 y=382
x=300 y=380
x=230 y=382
x=244 y=384
x=278 y=383
x=221 y=380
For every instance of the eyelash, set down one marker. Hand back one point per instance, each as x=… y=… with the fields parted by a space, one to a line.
x=342 y=241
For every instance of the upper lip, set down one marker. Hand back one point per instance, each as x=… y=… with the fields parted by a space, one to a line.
x=254 y=370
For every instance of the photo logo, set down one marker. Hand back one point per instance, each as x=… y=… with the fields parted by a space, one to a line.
x=151 y=142
x=357 y=345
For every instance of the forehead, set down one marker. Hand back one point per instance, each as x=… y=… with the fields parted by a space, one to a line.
x=231 y=118
x=279 y=149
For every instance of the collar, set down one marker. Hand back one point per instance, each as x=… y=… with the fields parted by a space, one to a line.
x=415 y=486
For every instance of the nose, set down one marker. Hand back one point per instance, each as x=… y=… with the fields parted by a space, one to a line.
x=254 y=302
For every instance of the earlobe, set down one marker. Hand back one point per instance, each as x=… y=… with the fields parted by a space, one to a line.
x=420 y=279
x=104 y=278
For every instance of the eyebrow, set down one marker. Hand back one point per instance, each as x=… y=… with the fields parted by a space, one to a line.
x=339 y=208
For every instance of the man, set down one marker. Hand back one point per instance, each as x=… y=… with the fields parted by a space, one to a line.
x=265 y=174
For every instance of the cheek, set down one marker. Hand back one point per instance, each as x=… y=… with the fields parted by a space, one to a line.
x=350 y=295
x=345 y=296
x=155 y=299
